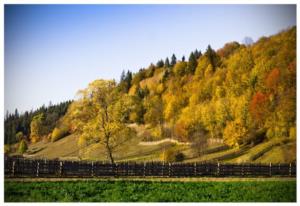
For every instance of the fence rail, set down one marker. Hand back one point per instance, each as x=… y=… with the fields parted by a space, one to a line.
x=21 y=167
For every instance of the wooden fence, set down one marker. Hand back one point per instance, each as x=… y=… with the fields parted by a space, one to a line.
x=20 y=167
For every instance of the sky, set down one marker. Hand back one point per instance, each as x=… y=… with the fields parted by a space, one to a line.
x=52 y=51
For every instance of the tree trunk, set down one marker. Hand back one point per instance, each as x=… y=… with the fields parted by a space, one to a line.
x=109 y=152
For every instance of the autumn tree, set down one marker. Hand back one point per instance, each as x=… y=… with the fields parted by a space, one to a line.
x=105 y=123
x=272 y=79
x=37 y=127
x=138 y=77
x=228 y=49
x=154 y=112
x=138 y=109
x=22 y=147
x=234 y=133
x=180 y=68
x=19 y=136
x=258 y=107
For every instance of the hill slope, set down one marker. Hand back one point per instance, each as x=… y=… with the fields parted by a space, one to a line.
x=241 y=97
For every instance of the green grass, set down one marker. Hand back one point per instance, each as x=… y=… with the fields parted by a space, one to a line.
x=147 y=191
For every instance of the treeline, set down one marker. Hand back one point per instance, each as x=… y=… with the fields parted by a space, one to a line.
x=17 y=126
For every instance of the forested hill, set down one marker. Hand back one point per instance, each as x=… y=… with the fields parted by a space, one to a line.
x=17 y=126
x=241 y=94
x=238 y=93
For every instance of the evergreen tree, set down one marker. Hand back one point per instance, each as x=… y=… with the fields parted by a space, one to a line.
x=125 y=81
x=212 y=57
x=197 y=54
x=192 y=64
x=167 y=63
x=128 y=79
x=173 y=60
x=122 y=76
x=16 y=113
x=160 y=63
x=183 y=58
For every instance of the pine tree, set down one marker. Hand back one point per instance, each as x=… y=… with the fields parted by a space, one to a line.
x=122 y=76
x=212 y=57
x=128 y=79
x=160 y=63
x=167 y=63
x=173 y=60
x=183 y=58
x=192 y=64
x=197 y=54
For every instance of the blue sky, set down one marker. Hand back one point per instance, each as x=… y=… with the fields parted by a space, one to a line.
x=52 y=51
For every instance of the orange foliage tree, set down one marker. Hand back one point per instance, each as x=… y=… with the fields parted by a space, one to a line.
x=272 y=79
x=258 y=107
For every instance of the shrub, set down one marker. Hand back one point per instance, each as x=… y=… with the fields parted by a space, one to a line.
x=156 y=132
x=19 y=136
x=293 y=133
x=179 y=157
x=172 y=155
x=22 y=147
x=6 y=149
x=59 y=133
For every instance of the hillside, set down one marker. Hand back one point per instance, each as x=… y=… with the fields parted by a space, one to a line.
x=237 y=104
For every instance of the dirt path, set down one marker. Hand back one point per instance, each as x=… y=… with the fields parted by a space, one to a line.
x=163 y=141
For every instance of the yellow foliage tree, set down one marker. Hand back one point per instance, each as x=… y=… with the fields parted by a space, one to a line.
x=36 y=128
x=234 y=133
x=105 y=123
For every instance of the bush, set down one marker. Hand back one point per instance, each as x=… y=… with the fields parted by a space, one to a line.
x=6 y=149
x=22 y=147
x=293 y=133
x=179 y=157
x=59 y=133
x=19 y=136
x=172 y=155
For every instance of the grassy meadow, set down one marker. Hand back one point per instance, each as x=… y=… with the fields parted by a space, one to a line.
x=150 y=191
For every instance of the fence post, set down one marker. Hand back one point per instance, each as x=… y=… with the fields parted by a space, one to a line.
x=195 y=169
x=127 y=170
x=218 y=170
x=60 y=168
x=270 y=169
x=290 y=170
x=144 y=173
x=37 y=168
x=92 y=168
x=115 y=165
x=242 y=169
x=13 y=168
x=170 y=164
x=163 y=167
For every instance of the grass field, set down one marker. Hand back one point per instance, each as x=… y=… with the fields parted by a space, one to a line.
x=150 y=191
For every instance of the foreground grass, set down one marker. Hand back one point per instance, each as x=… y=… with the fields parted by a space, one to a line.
x=142 y=191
